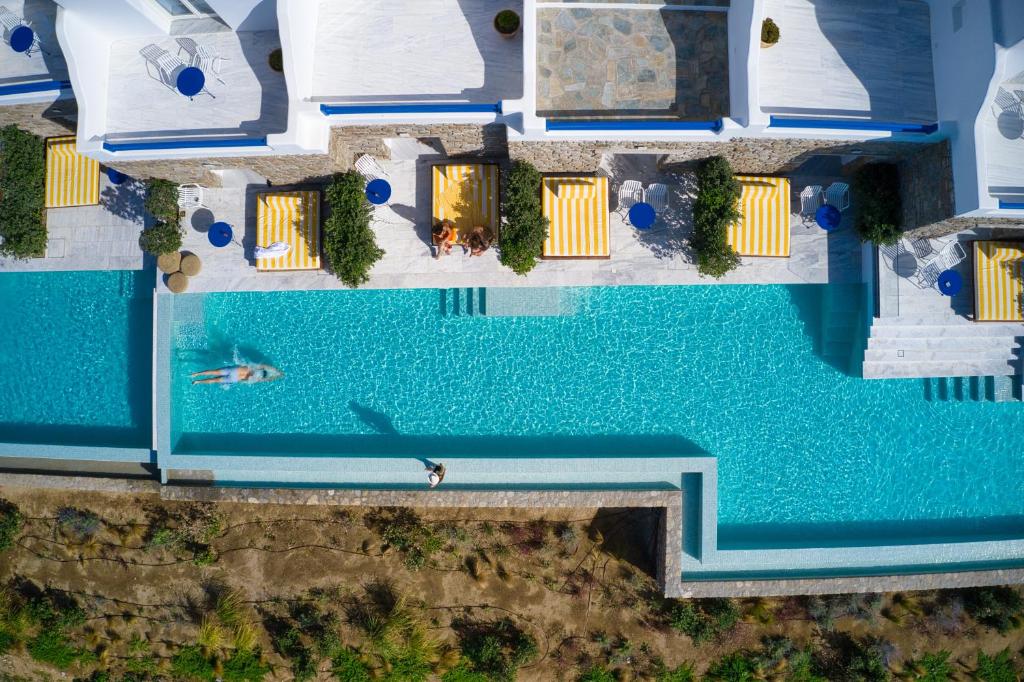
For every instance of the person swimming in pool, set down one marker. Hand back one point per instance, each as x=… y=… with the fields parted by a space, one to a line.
x=237 y=374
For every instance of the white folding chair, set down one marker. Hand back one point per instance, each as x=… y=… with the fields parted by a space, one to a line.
x=201 y=57
x=368 y=167
x=952 y=254
x=838 y=195
x=811 y=200
x=630 y=192
x=656 y=195
x=10 y=21
x=190 y=196
x=167 y=66
x=1007 y=102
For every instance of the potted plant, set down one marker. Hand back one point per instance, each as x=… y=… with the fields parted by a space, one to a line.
x=276 y=60
x=506 y=22
x=769 y=32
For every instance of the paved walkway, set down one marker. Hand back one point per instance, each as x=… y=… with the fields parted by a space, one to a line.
x=658 y=256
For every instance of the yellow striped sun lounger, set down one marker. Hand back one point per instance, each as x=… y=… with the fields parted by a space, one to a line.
x=998 y=281
x=467 y=195
x=294 y=219
x=71 y=179
x=764 y=228
x=577 y=211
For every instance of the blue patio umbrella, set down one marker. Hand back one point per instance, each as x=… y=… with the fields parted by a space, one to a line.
x=22 y=39
x=190 y=81
x=378 y=191
x=828 y=217
x=641 y=215
x=219 y=234
x=950 y=282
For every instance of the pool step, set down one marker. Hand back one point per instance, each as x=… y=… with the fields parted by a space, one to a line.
x=463 y=302
x=507 y=302
x=998 y=389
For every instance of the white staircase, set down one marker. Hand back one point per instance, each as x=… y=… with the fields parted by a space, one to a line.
x=942 y=346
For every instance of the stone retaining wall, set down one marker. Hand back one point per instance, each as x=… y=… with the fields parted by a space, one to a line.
x=280 y=170
x=45 y=119
x=350 y=142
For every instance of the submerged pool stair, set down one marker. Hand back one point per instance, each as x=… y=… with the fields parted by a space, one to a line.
x=999 y=389
x=942 y=346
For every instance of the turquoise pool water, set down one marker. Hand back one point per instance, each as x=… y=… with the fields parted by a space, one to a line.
x=806 y=452
x=75 y=358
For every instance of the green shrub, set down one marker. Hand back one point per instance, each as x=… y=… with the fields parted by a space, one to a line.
x=506 y=21
x=346 y=666
x=463 y=672
x=78 y=525
x=598 y=673
x=879 y=210
x=22 y=193
x=245 y=666
x=998 y=668
x=524 y=228
x=736 y=667
x=496 y=649
x=705 y=619
x=164 y=236
x=933 y=667
x=714 y=209
x=681 y=673
x=769 y=31
x=190 y=664
x=997 y=607
x=11 y=522
x=51 y=646
x=402 y=529
x=289 y=644
x=349 y=243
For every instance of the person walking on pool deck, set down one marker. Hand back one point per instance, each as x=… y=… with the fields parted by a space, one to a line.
x=436 y=474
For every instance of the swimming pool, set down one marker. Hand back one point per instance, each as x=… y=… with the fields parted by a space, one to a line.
x=807 y=453
x=75 y=358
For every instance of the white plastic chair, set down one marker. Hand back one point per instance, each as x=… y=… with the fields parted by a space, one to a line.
x=1007 y=102
x=630 y=192
x=201 y=57
x=952 y=254
x=10 y=21
x=190 y=196
x=167 y=66
x=368 y=167
x=838 y=195
x=656 y=195
x=811 y=200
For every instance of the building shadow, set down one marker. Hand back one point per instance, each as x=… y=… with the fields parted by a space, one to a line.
x=499 y=80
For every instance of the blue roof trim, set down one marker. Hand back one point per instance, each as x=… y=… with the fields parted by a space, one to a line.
x=184 y=144
x=637 y=125
x=37 y=86
x=852 y=124
x=342 y=109
x=1018 y=206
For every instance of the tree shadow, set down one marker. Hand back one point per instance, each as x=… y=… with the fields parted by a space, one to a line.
x=127 y=200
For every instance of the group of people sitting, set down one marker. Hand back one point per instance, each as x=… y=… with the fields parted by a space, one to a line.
x=445 y=235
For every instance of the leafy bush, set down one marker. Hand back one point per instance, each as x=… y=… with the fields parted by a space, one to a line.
x=598 y=673
x=769 y=31
x=245 y=666
x=402 y=529
x=349 y=243
x=524 y=228
x=715 y=208
x=705 y=619
x=876 y=193
x=736 y=667
x=11 y=522
x=347 y=666
x=191 y=664
x=1001 y=608
x=164 y=236
x=934 y=667
x=998 y=668
x=78 y=525
x=826 y=609
x=22 y=193
x=51 y=646
x=681 y=673
x=496 y=649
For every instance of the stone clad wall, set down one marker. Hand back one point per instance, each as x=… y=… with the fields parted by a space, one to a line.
x=280 y=170
x=45 y=119
x=350 y=142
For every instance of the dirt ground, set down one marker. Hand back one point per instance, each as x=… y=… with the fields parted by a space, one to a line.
x=578 y=581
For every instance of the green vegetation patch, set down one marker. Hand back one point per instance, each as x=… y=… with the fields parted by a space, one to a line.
x=22 y=193
x=879 y=209
x=524 y=228
x=164 y=236
x=349 y=244
x=496 y=649
x=11 y=522
x=402 y=529
x=703 y=620
x=715 y=208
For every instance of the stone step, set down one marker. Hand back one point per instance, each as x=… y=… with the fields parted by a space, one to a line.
x=892 y=354
x=958 y=389
x=950 y=330
x=1007 y=344
x=1003 y=390
x=912 y=320
x=920 y=369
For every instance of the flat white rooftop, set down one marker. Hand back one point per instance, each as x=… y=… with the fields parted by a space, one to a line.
x=423 y=51
x=867 y=59
x=247 y=99
x=49 y=64
x=1003 y=126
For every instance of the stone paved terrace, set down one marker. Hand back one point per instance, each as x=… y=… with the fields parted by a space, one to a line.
x=431 y=50
x=47 y=65
x=252 y=100
x=659 y=256
x=864 y=59
x=647 y=60
x=101 y=237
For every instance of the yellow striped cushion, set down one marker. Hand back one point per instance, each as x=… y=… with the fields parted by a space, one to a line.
x=998 y=281
x=764 y=228
x=293 y=218
x=467 y=195
x=577 y=209
x=71 y=179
